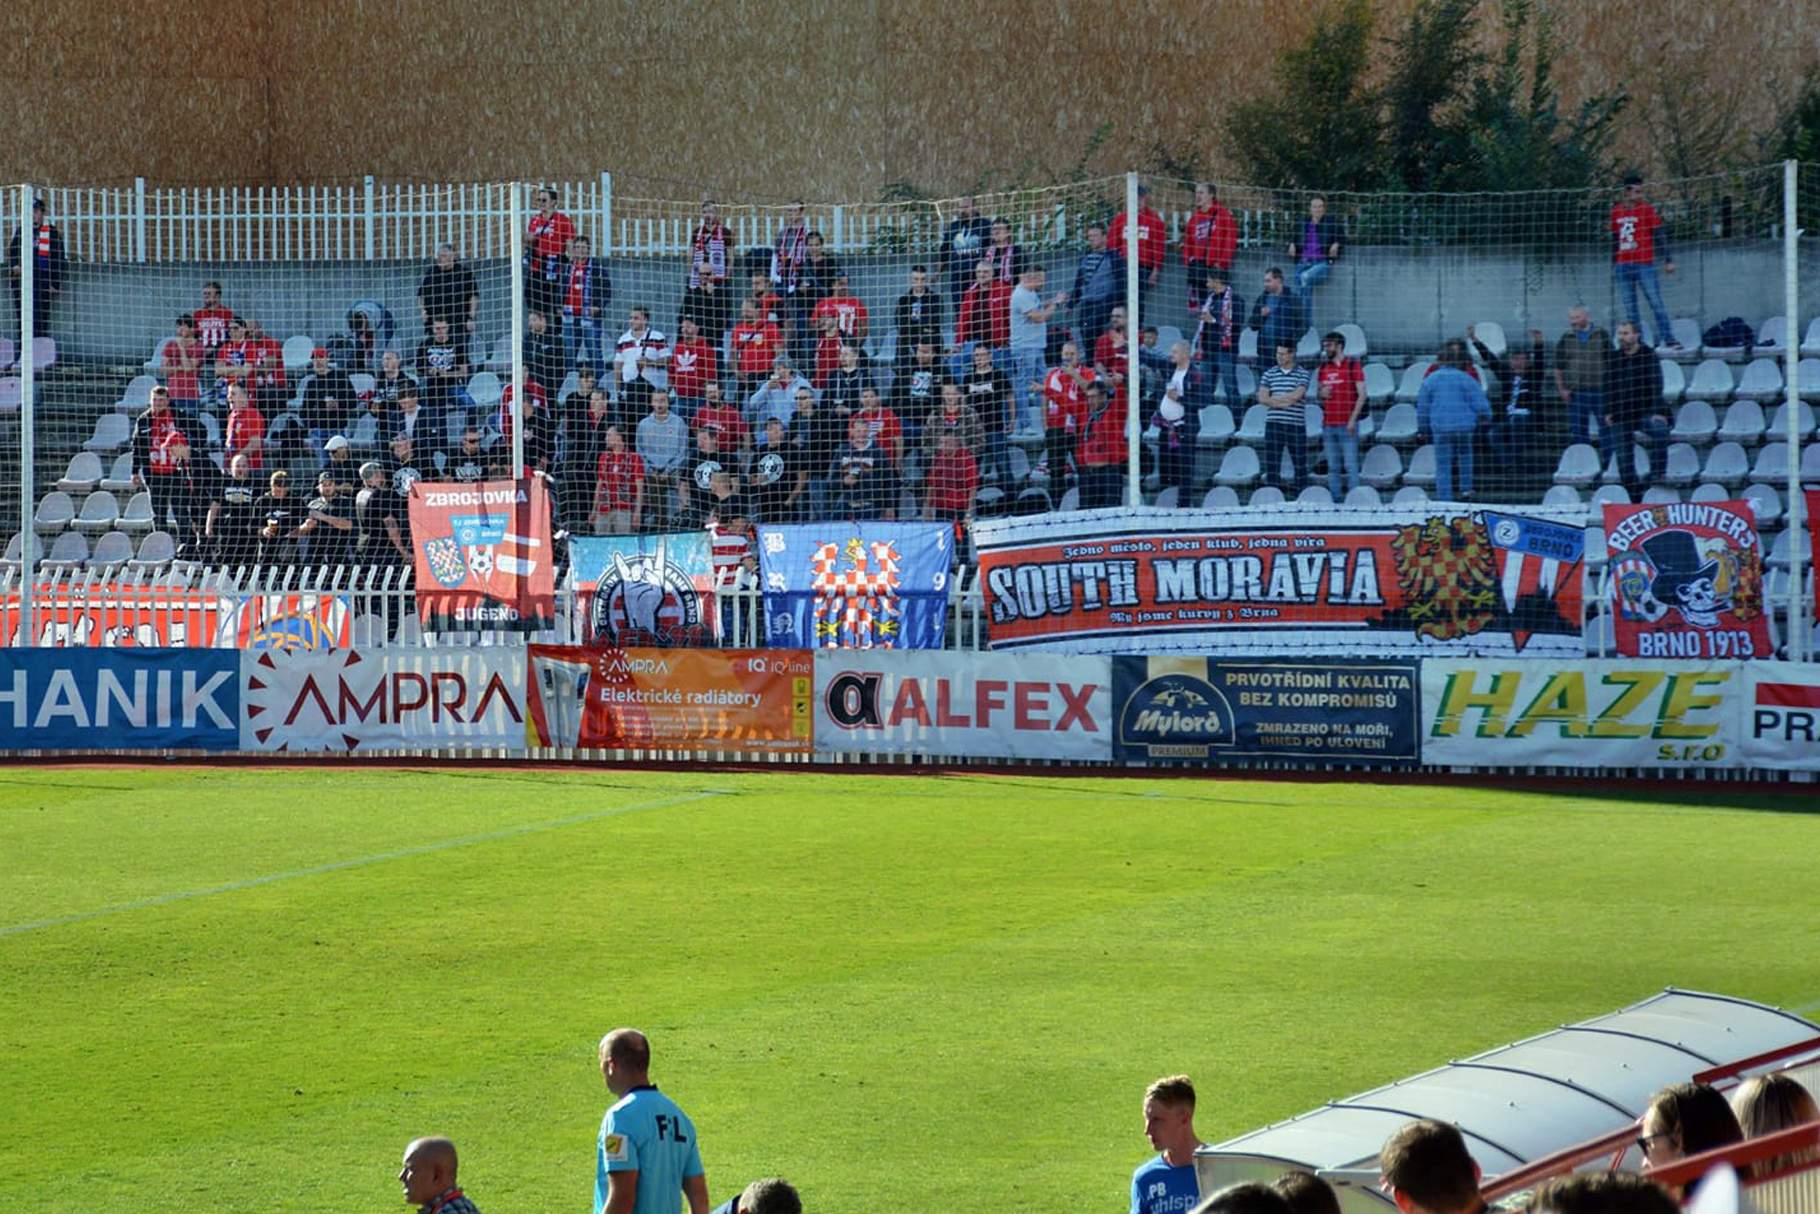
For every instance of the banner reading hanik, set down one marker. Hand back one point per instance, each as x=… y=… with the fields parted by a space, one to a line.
x=483 y=556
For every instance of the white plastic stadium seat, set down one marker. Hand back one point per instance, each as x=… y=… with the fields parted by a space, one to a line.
x=1726 y=464
x=9 y=353
x=112 y=551
x=83 y=473
x=138 y=394
x=1778 y=422
x=1309 y=348
x=1772 y=334
x=1771 y=467
x=55 y=510
x=1399 y=425
x=44 y=353
x=1356 y=345
x=1217 y=426
x=1562 y=495
x=1695 y=423
x=112 y=432
x=1660 y=495
x=1686 y=330
x=1315 y=495
x=69 y=551
x=1579 y=466
x=297 y=350
x=98 y=514
x=1363 y=495
x=1710 y=491
x=1674 y=381
x=1743 y=422
x=1381 y=468
x=1682 y=465
x=1410 y=386
x=137 y=517
x=1609 y=495
x=1380 y=383
x=119 y=478
x=1421 y=470
x=1491 y=333
x=1221 y=497
x=484 y=389
x=1266 y=495
x=1239 y=468
x=1410 y=495
x=1712 y=381
x=1766 y=504
x=1251 y=430
x=1810 y=345
x=1761 y=381
x=1071 y=500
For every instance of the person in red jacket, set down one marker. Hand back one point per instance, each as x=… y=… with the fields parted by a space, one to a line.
x=757 y=342
x=1209 y=243
x=1065 y=410
x=692 y=367
x=952 y=481
x=985 y=318
x=1101 y=455
x=1150 y=236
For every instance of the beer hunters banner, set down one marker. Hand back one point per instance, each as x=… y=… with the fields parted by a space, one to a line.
x=1001 y=706
x=1687 y=581
x=856 y=585
x=349 y=700
x=483 y=556
x=645 y=591
x=1426 y=579
x=750 y=700
x=1618 y=713
x=1210 y=711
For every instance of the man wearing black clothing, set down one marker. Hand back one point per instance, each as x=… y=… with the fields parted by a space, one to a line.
x=1516 y=400
x=46 y=251
x=963 y=243
x=1633 y=405
x=280 y=518
x=988 y=390
x=819 y=433
x=329 y=401
x=442 y=370
x=329 y=525
x=232 y=527
x=780 y=476
x=919 y=313
x=918 y=386
x=543 y=353
x=1099 y=286
x=860 y=478
x=447 y=292
x=159 y=438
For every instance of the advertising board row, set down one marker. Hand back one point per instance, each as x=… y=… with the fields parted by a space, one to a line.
x=1121 y=709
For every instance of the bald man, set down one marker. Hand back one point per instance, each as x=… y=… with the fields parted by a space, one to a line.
x=428 y=1177
x=646 y=1159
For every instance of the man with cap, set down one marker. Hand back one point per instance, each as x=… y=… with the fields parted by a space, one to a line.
x=329 y=527
x=328 y=399
x=341 y=458
x=46 y=251
x=428 y=1177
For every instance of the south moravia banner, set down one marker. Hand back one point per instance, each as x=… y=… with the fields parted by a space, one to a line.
x=1431 y=578
x=483 y=556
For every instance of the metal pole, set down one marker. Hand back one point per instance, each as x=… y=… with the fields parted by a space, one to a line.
x=1797 y=626
x=606 y=226
x=372 y=219
x=28 y=374
x=518 y=330
x=139 y=219
x=1133 y=322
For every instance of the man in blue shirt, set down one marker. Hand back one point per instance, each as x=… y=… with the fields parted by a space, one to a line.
x=1167 y=1184
x=647 y=1157
x=1450 y=406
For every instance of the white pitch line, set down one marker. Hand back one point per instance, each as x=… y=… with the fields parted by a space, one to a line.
x=339 y=865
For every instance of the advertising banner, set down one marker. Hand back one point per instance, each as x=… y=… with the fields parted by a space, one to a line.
x=751 y=700
x=856 y=585
x=398 y=699
x=108 y=617
x=484 y=561
x=1687 y=581
x=1212 y=711
x=1781 y=706
x=1431 y=578
x=645 y=591
x=1615 y=713
x=1002 y=706
x=119 y=699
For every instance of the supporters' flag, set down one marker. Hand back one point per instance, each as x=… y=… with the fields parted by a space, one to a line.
x=1534 y=558
x=1813 y=515
x=651 y=591
x=1687 y=580
x=483 y=556
x=847 y=585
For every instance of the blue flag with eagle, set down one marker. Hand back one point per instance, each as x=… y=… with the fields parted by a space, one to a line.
x=856 y=585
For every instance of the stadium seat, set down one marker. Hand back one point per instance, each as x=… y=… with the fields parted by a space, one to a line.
x=1399 y=425
x=1579 y=466
x=1743 y=423
x=112 y=432
x=1491 y=333
x=1356 y=345
x=1017 y=461
x=1248 y=347
x=1608 y=495
x=44 y=354
x=501 y=358
x=1726 y=464
x=1380 y=383
x=1596 y=633
x=1311 y=423
x=119 y=478
x=1660 y=495
x=1248 y=383
x=1563 y=495
x=1772 y=334
x=112 y=551
x=1730 y=354
x=1712 y=381
x=1686 y=330
x=1695 y=423
x=138 y=394
x=1169 y=497
x=1410 y=386
x=1251 y=431
x=1710 y=491
x=1639 y=460
x=1216 y=426
x=1771 y=467
x=1381 y=468
x=1682 y=467
x=68 y=552
x=55 y=510
x=1308 y=349
x=1674 y=381
x=1810 y=345
x=156 y=551
x=1784 y=555
x=1071 y=500
x=15 y=553
x=1035 y=500
x=1596 y=552
x=1810 y=465
x=1778 y=422
x=484 y=389
x=297 y=349
x=1167 y=336
x=83 y=473
x=137 y=517
x=1766 y=504
x=9 y=353
x=363 y=435
x=989 y=501
x=211 y=429
x=1410 y=495
x=1266 y=495
x=1363 y=495
x=1239 y=468
x=1314 y=495
x=99 y=513
x=1761 y=381
x=1220 y=497
x=363 y=383
x=1421 y=470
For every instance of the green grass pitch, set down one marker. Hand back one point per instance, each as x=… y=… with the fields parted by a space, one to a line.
x=241 y=988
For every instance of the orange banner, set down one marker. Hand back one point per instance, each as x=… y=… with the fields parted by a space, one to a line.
x=143 y=617
x=754 y=700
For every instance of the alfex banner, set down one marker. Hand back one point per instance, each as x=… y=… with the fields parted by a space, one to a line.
x=1002 y=706
x=483 y=556
x=1687 y=581
x=856 y=585
x=397 y=699
x=1212 y=711
x=645 y=591
x=1425 y=579
x=1582 y=714
x=671 y=699
x=119 y=699
x=134 y=616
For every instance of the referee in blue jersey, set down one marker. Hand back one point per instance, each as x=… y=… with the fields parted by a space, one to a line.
x=647 y=1158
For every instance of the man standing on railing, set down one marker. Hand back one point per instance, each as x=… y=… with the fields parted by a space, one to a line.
x=447 y=291
x=46 y=251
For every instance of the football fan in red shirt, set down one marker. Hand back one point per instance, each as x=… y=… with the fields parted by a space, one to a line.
x=1150 y=237
x=1209 y=243
x=1636 y=233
